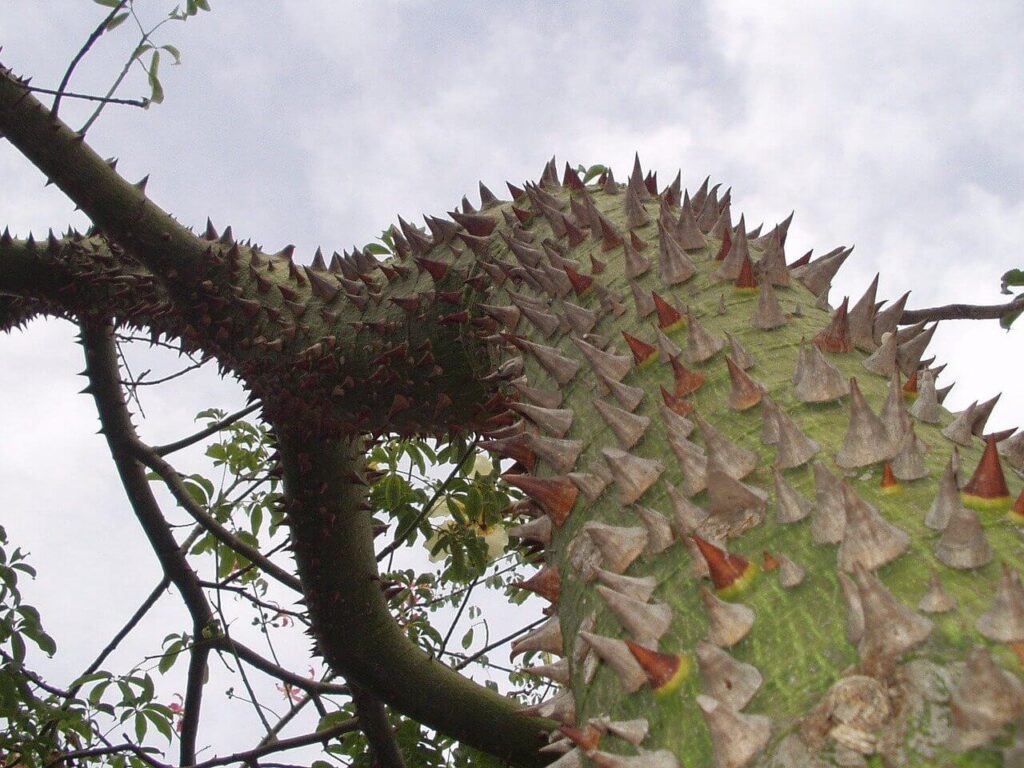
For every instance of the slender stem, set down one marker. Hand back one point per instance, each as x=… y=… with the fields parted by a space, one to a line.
x=185 y=442
x=96 y=34
x=963 y=312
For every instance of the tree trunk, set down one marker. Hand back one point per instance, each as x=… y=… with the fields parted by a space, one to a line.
x=747 y=562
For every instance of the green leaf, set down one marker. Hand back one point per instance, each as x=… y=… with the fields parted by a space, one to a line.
x=156 y=91
x=376 y=248
x=108 y=3
x=140 y=727
x=467 y=639
x=593 y=172
x=175 y=54
x=1015 y=277
x=116 y=21
x=1007 y=320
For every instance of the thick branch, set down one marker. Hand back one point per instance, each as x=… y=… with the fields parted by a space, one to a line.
x=105 y=385
x=119 y=208
x=373 y=722
x=963 y=312
x=170 y=476
x=354 y=627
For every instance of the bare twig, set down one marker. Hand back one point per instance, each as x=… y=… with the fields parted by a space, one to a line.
x=470 y=659
x=963 y=312
x=319 y=737
x=96 y=34
x=142 y=103
x=185 y=442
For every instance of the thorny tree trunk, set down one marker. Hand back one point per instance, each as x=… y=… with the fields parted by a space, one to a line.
x=763 y=547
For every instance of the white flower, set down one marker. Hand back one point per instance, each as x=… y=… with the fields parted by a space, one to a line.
x=496 y=538
x=482 y=466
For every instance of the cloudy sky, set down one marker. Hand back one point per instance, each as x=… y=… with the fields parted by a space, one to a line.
x=894 y=127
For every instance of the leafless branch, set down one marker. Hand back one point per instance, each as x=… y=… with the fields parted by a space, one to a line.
x=185 y=442
x=963 y=312
x=96 y=35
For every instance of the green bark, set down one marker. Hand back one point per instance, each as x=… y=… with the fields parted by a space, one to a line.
x=435 y=339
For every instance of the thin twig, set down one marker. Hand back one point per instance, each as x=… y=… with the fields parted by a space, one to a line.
x=185 y=442
x=470 y=659
x=96 y=35
x=963 y=312
x=143 y=103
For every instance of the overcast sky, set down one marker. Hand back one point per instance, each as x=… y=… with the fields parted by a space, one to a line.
x=895 y=127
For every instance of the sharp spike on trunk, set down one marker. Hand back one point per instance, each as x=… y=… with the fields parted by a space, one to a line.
x=790 y=506
x=619 y=546
x=632 y=475
x=616 y=655
x=854 y=626
x=790 y=574
x=561 y=455
x=638 y=588
x=926 y=405
x=700 y=345
x=562 y=369
x=636 y=214
x=688 y=517
x=736 y=739
x=546 y=638
x=591 y=485
x=936 y=599
x=642 y=301
x=665 y=671
x=628 y=427
x=794 y=448
x=740 y=356
x=768 y=314
x=543 y=397
x=644 y=622
x=909 y=463
x=581 y=320
x=557 y=672
x=1003 y=622
x=693 y=462
x=987 y=487
x=815 y=380
x=894 y=414
x=883 y=360
x=538 y=529
x=744 y=393
x=963 y=544
x=739 y=251
x=890 y=627
x=725 y=678
x=555 y=495
x=688 y=232
x=554 y=421
x=862 y=319
x=829 y=519
x=730 y=573
x=733 y=503
x=960 y=429
x=887 y=320
x=817 y=275
x=723 y=453
x=869 y=540
x=546 y=582
x=835 y=337
x=947 y=500
x=729 y=622
x=867 y=440
x=636 y=264
x=909 y=353
x=659 y=530
x=981 y=414
x=674 y=265
x=986 y=699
